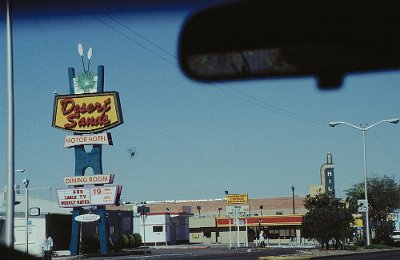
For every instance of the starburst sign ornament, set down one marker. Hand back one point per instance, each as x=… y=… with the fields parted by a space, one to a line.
x=85 y=82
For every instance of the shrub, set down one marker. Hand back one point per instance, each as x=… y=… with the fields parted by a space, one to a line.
x=124 y=241
x=395 y=243
x=138 y=239
x=378 y=246
x=131 y=241
x=359 y=242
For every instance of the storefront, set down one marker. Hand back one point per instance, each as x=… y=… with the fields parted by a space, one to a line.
x=278 y=229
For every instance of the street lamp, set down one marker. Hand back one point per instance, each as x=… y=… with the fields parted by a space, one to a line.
x=219 y=212
x=10 y=203
x=26 y=183
x=261 y=208
x=363 y=129
x=199 y=209
x=9 y=229
x=292 y=187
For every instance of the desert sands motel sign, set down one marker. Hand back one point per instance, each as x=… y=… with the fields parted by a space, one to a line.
x=87 y=113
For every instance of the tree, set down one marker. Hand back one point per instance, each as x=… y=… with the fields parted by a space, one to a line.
x=327 y=218
x=383 y=198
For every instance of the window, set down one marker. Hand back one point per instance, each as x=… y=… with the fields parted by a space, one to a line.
x=112 y=230
x=284 y=233
x=126 y=223
x=207 y=234
x=157 y=229
x=292 y=232
x=273 y=233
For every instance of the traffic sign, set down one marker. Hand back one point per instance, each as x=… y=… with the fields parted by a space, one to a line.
x=362 y=205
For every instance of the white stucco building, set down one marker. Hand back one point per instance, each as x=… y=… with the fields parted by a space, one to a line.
x=163 y=228
x=37 y=225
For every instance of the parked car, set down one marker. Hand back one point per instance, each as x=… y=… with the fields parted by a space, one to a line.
x=396 y=235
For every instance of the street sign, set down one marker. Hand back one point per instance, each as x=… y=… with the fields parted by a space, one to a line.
x=237 y=199
x=241 y=211
x=76 y=140
x=362 y=205
x=94 y=196
x=89 y=180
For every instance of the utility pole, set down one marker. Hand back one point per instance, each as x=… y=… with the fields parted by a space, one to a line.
x=293 y=199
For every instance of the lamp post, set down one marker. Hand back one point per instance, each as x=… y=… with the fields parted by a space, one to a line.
x=9 y=229
x=292 y=187
x=10 y=203
x=26 y=183
x=143 y=213
x=363 y=129
x=261 y=208
x=219 y=212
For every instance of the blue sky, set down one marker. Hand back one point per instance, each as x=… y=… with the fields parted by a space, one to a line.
x=193 y=140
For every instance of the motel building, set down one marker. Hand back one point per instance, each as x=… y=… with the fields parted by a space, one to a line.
x=159 y=228
x=44 y=217
x=279 y=230
x=164 y=228
x=213 y=221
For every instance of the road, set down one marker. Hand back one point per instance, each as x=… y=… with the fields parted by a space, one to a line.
x=387 y=255
x=204 y=253
x=238 y=254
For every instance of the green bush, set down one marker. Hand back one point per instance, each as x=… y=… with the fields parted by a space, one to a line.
x=138 y=239
x=131 y=241
x=378 y=246
x=350 y=247
x=383 y=233
x=395 y=243
x=359 y=242
x=124 y=241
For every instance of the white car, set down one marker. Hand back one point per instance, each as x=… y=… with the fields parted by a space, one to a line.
x=396 y=235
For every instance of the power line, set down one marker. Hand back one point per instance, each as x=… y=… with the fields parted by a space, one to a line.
x=140 y=36
x=241 y=95
x=280 y=110
x=384 y=148
x=133 y=40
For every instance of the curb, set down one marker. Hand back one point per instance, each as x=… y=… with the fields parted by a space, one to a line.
x=298 y=257
x=284 y=257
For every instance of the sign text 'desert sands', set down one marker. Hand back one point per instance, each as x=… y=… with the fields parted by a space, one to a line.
x=87 y=113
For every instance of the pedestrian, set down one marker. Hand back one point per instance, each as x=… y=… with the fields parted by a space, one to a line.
x=47 y=247
x=261 y=239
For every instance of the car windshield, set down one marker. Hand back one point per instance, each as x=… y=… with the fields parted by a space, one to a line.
x=180 y=138
x=190 y=140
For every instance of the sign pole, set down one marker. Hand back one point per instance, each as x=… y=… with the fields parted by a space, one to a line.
x=237 y=228
x=230 y=235
x=247 y=235
x=9 y=230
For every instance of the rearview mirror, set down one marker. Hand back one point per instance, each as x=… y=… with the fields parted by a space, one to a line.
x=278 y=38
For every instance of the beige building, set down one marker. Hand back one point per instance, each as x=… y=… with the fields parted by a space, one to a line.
x=217 y=207
x=213 y=220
